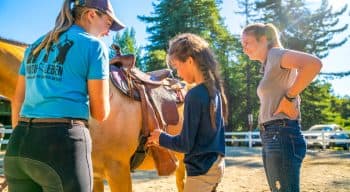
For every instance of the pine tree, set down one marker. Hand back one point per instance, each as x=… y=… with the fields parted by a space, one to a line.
x=172 y=17
x=248 y=10
x=303 y=29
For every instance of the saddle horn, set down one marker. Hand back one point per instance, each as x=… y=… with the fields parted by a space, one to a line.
x=116 y=49
x=126 y=61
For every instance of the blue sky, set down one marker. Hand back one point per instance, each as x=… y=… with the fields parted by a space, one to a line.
x=26 y=20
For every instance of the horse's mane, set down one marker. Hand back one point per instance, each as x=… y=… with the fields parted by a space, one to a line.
x=21 y=44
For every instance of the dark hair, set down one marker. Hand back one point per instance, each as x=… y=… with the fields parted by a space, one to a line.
x=268 y=30
x=188 y=45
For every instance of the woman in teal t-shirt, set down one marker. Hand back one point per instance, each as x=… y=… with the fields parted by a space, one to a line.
x=63 y=79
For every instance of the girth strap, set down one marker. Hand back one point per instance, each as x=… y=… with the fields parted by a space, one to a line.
x=164 y=160
x=141 y=150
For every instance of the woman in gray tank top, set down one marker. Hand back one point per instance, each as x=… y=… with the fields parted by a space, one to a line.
x=286 y=73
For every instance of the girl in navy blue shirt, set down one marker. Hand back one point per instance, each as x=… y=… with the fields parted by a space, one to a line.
x=202 y=136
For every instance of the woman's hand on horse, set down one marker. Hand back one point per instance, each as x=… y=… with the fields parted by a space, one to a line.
x=153 y=139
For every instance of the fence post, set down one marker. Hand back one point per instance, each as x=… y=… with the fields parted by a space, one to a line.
x=323 y=141
x=250 y=139
x=250 y=123
x=2 y=135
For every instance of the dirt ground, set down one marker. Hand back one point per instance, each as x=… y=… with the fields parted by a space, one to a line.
x=322 y=171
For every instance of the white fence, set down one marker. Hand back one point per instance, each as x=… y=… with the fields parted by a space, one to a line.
x=243 y=137
x=322 y=139
x=328 y=138
x=250 y=138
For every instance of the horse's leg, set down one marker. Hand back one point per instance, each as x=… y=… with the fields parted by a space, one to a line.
x=98 y=184
x=180 y=176
x=119 y=177
x=97 y=155
x=98 y=175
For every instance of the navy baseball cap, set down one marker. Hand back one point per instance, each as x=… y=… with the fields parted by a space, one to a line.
x=104 y=6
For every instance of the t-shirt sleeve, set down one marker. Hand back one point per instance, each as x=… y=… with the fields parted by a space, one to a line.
x=185 y=140
x=274 y=62
x=278 y=59
x=98 y=61
x=22 y=69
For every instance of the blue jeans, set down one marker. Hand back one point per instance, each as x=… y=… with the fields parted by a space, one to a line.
x=284 y=149
x=49 y=157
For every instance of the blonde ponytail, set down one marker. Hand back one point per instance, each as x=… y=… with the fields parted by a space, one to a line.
x=268 y=30
x=64 y=20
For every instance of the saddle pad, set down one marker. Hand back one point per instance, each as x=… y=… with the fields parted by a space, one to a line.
x=165 y=102
x=163 y=99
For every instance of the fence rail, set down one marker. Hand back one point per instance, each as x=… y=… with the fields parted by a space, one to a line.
x=321 y=138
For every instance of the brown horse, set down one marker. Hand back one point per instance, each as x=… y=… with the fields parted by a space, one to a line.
x=11 y=54
x=114 y=141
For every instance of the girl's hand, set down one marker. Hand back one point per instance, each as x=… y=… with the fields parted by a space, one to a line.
x=153 y=139
x=287 y=108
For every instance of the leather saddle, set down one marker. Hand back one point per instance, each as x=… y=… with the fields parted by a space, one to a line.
x=159 y=96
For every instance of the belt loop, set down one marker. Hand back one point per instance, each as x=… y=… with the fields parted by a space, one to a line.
x=30 y=122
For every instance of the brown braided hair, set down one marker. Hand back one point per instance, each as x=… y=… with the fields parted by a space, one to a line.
x=188 y=45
